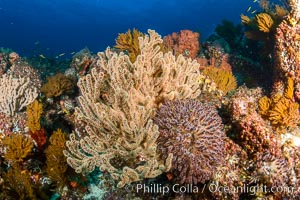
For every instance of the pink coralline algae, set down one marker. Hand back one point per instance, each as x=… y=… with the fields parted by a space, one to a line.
x=194 y=133
x=185 y=42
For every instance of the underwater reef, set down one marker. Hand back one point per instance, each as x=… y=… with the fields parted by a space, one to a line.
x=158 y=117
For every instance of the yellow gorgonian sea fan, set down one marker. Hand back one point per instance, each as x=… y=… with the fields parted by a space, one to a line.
x=264 y=22
x=34 y=112
x=129 y=42
x=284 y=114
x=245 y=19
x=264 y=104
x=56 y=162
x=281 y=110
x=224 y=79
x=18 y=146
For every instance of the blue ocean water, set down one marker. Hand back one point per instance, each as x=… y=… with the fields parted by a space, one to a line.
x=63 y=26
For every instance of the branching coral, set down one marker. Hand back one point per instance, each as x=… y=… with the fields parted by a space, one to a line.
x=263 y=25
x=295 y=9
x=245 y=19
x=224 y=79
x=34 y=112
x=194 y=133
x=264 y=22
x=16 y=93
x=281 y=110
x=57 y=85
x=129 y=42
x=121 y=137
x=18 y=147
x=18 y=185
x=185 y=42
x=56 y=161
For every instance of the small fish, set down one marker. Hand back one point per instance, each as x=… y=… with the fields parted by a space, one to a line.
x=249 y=8
x=42 y=56
x=62 y=54
x=254 y=11
x=254 y=1
x=37 y=42
x=72 y=52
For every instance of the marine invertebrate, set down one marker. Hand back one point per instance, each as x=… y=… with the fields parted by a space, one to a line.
x=57 y=85
x=185 y=42
x=224 y=79
x=287 y=46
x=16 y=94
x=245 y=19
x=12 y=57
x=254 y=134
x=233 y=173
x=3 y=63
x=34 y=112
x=18 y=184
x=216 y=57
x=264 y=22
x=120 y=135
x=274 y=172
x=22 y=68
x=295 y=9
x=280 y=11
x=39 y=137
x=281 y=110
x=56 y=161
x=129 y=42
x=263 y=25
x=18 y=147
x=194 y=133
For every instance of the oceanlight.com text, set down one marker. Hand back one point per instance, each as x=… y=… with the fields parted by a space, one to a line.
x=213 y=188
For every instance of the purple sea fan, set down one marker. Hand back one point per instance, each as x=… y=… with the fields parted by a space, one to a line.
x=194 y=133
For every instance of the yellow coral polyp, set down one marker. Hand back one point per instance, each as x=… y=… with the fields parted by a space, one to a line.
x=264 y=22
